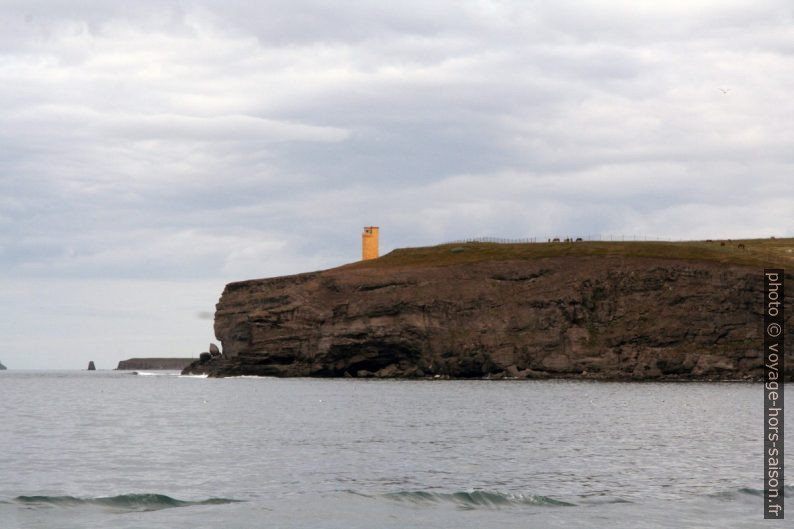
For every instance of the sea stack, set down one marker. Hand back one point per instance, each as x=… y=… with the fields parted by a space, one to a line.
x=2 y=367
x=91 y=366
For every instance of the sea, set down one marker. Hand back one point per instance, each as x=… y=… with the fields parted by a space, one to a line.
x=113 y=449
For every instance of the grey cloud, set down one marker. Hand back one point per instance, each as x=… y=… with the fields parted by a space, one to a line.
x=87 y=124
x=196 y=143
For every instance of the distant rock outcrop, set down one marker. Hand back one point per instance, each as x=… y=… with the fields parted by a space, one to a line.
x=176 y=364
x=2 y=367
x=91 y=366
x=605 y=317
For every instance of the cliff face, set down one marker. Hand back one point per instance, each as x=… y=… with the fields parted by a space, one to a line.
x=154 y=363
x=597 y=317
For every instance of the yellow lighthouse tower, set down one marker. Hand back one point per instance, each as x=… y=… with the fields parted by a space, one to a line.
x=369 y=243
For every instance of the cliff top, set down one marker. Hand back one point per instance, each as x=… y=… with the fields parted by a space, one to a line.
x=769 y=253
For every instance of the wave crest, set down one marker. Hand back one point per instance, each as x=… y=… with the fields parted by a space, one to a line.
x=477 y=499
x=122 y=502
x=788 y=490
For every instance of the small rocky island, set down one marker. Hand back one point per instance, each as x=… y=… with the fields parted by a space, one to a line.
x=597 y=310
x=152 y=364
x=2 y=367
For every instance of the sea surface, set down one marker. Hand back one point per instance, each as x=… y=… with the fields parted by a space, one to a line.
x=110 y=449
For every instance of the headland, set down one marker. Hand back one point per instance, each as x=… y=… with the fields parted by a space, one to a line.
x=595 y=310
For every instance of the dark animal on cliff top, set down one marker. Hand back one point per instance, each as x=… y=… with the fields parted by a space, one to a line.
x=722 y=243
x=741 y=247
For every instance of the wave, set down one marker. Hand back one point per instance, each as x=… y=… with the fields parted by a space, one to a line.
x=477 y=499
x=788 y=491
x=123 y=502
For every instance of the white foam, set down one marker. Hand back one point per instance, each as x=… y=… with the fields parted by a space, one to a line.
x=160 y=374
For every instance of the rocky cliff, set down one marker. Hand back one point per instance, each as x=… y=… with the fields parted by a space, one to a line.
x=594 y=316
x=154 y=363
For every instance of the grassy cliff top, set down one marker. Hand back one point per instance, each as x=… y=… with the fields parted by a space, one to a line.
x=769 y=253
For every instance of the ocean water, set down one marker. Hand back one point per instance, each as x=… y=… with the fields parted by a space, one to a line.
x=115 y=450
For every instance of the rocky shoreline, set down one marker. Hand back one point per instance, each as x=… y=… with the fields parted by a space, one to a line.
x=584 y=317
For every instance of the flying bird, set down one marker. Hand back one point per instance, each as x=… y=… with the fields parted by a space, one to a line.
x=725 y=90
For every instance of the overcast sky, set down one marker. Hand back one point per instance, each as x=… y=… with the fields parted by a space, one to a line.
x=151 y=152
